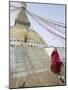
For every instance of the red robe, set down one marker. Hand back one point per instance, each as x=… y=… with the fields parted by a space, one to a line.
x=56 y=64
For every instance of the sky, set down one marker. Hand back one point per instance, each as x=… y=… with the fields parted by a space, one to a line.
x=49 y=11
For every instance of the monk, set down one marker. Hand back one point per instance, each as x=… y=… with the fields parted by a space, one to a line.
x=56 y=63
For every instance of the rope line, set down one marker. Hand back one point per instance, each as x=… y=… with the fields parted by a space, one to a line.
x=44 y=26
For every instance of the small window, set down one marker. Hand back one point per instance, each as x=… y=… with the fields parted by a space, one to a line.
x=31 y=45
x=18 y=40
x=21 y=40
x=21 y=44
x=14 y=40
x=28 y=41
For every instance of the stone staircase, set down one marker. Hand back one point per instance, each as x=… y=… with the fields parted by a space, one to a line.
x=28 y=60
x=32 y=66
